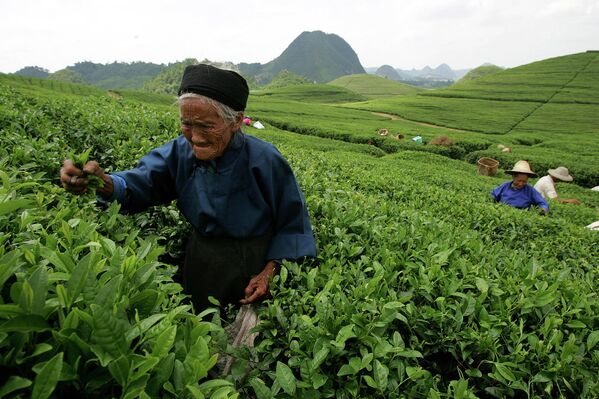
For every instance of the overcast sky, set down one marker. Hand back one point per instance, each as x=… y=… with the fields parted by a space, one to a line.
x=405 y=34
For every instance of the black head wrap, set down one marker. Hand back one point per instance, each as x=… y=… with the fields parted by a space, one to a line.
x=224 y=86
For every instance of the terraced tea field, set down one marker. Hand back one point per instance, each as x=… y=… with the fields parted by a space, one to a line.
x=423 y=287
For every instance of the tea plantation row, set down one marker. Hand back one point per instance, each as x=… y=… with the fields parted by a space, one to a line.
x=547 y=112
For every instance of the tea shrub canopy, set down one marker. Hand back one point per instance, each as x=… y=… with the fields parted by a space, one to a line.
x=423 y=287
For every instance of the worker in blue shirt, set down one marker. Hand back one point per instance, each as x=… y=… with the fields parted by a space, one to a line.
x=517 y=192
x=237 y=191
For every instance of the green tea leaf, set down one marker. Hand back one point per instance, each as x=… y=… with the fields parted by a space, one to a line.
x=119 y=369
x=108 y=335
x=214 y=384
x=195 y=391
x=38 y=350
x=26 y=297
x=14 y=383
x=260 y=388
x=39 y=284
x=318 y=380
x=415 y=373
x=344 y=334
x=79 y=160
x=576 y=324
x=346 y=369
x=370 y=382
x=107 y=295
x=78 y=279
x=286 y=378
x=46 y=380
x=25 y=323
x=9 y=264
x=136 y=387
x=409 y=353
x=381 y=373
x=144 y=367
x=320 y=357
x=505 y=372
x=592 y=340
x=482 y=285
x=196 y=362
x=164 y=342
x=12 y=205
x=224 y=393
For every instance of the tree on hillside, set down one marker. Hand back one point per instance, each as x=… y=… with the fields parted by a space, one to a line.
x=67 y=75
x=117 y=74
x=287 y=78
x=33 y=71
x=169 y=79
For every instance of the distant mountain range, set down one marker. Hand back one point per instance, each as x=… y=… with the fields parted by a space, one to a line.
x=317 y=56
x=442 y=72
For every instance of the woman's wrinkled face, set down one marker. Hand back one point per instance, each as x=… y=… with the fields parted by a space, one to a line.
x=519 y=180
x=207 y=133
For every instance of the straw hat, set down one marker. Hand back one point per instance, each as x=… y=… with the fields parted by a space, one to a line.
x=560 y=173
x=522 y=167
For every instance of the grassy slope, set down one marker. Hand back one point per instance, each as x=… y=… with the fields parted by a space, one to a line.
x=479 y=72
x=547 y=111
x=51 y=88
x=373 y=86
x=48 y=87
x=311 y=93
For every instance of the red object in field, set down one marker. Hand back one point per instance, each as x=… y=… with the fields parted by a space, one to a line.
x=247 y=121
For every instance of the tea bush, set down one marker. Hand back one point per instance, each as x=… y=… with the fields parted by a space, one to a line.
x=423 y=287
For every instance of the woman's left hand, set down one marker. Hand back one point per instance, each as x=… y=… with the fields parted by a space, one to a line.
x=258 y=286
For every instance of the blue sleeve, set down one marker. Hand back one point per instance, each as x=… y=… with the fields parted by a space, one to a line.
x=152 y=182
x=119 y=187
x=496 y=193
x=292 y=236
x=538 y=199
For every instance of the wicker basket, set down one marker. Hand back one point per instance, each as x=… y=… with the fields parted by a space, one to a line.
x=487 y=166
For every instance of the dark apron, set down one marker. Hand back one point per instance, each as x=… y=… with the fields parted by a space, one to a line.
x=222 y=267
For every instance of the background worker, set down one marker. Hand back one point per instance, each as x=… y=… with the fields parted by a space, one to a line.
x=517 y=192
x=546 y=185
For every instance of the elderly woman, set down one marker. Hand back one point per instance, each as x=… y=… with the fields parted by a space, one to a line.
x=237 y=191
x=517 y=192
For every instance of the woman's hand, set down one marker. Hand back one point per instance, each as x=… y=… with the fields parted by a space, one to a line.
x=75 y=180
x=258 y=286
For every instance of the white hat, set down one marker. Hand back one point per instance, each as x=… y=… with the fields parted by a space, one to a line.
x=522 y=167
x=561 y=173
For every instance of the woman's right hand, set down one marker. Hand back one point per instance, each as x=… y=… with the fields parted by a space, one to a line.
x=75 y=180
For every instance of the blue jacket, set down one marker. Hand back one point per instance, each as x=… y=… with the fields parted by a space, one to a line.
x=522 y=198
x=247 y=192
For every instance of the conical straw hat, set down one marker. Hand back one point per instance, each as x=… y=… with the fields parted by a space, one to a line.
x=522 y=167
x=561 y=173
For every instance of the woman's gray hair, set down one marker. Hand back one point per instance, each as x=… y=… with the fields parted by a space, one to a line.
x=227 y=114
